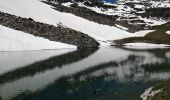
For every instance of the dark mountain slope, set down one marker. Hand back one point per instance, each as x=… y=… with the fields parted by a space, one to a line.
x=60 y=33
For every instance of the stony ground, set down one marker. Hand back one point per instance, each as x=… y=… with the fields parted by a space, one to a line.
x=59 y=33
x=97 y=17
x=163 y=13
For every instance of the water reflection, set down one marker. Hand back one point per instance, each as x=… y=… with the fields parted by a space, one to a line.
x=113 y=73
x=44 y=65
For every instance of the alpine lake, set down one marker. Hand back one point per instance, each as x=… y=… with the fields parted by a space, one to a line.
x=108 y=73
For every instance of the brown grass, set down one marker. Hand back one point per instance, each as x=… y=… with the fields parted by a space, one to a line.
x=158 y=37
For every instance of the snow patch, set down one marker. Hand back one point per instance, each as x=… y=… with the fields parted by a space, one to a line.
x=121 y=27
x=149 y=93
x=67 y=4
x=139 y=45
x=168 y=32
x=109 y=4
x=139 y=6
x=13 y=40
x=153 y=21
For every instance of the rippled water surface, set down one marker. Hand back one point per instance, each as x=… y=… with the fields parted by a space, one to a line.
x=109 y=73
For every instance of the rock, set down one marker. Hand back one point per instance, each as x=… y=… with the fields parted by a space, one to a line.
x=59 y=33
x=91 y=15
x=163 y=13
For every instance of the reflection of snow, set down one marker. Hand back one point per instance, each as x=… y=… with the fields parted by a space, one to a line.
x=12 y=60
x=128 y=69
x=168 y=54
x=132 y=70
x=140 y=45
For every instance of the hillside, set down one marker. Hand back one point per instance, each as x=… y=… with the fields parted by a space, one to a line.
x=52 y=17
x=104 y=22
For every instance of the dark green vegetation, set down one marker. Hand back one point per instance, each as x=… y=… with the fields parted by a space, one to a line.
x=53 y=33
x=158 y=37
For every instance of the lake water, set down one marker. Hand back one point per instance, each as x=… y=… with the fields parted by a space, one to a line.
x=109 y=73
x=112 y=1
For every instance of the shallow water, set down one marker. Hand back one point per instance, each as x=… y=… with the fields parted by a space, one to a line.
x=110 y=73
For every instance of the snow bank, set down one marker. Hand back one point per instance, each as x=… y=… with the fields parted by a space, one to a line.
x=139 y=45
x=13 y=40
x=149 y=93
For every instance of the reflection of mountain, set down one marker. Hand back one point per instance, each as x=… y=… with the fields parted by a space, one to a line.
x=158 y=52
x=135 y=68
x=97 y=76
x=40 y=72
x=41 y=66
x=160 y=67
x=12 y=60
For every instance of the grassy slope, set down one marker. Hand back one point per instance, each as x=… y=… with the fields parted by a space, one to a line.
x=164 y=94
x=158 y=37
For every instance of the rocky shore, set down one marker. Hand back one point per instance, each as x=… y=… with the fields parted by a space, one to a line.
x=53 y=33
